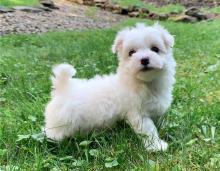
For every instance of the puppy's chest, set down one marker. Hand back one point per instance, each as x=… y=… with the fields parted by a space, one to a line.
x=151 y=104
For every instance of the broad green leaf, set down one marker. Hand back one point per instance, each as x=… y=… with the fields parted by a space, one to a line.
x=38 y=137
x=85 y=143
x=78 y=163
x=23 y=137
x=66 y=158
x=153 y=165
x=2 y=99
x=32 y=118
x=191 y=142
x=207 y=139
x=111 y=164
x=3 y=152
x=109 y=159
x=94 y=152
x=214 y=67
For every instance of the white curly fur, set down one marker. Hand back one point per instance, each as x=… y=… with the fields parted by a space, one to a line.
x=80 y=105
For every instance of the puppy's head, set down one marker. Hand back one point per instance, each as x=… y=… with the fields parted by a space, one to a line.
x=143 y=51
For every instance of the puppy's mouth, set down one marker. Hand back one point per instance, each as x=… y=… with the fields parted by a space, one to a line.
x=144 y=69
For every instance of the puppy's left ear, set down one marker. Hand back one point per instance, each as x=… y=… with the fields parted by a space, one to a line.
x=118 y=42
x=167 y=37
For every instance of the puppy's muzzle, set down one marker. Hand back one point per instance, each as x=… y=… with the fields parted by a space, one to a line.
x=145 y=62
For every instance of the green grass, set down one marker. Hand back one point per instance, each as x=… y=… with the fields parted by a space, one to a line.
x=26 y=62
x=215 y=10
x=212 y=10
x=151 y=7
x=11 y=3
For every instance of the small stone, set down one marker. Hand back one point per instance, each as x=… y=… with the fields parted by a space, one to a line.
x=8 y=15
x=100 y=5
x=163 y=16
x=100 y=1
x=5 y=10
x=143 y=11
x=184 y=18
x=191 y=11
x=109 y=7
x=133 y=8
x=125 y=11
x=27 y=9
x=88 y=2
x=201 y=16
x=45 y=8
x=134 y=14
x=173 y=13
x=115 y=6
x=195 y=12
x=77 y=1
x=153 y=16
x=116 y=9
x=49 y=4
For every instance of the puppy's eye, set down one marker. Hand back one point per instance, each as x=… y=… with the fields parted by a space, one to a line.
x=155 y=49
x=131 y=52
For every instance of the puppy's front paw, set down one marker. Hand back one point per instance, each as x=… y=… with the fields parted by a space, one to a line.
x=156 y=145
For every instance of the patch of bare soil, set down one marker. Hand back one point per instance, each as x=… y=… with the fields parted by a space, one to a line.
x=69 y=16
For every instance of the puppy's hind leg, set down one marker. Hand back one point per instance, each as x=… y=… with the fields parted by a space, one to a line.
x=58 y=120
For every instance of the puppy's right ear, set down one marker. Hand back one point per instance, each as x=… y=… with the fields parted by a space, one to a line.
x=118 y=42
x=167 y=37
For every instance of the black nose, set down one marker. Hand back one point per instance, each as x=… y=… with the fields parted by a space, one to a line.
x=145 y=61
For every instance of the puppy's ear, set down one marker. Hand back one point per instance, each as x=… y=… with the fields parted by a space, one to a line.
x=118 y=42
x=167 y=37
x=140 y=25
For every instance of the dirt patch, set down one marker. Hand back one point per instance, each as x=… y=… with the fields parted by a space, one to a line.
x=186 y=3
x=68 y=17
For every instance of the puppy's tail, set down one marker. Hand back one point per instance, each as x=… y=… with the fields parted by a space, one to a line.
x=62 y=76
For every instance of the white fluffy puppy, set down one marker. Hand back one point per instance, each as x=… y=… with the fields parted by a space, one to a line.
x=140 y=90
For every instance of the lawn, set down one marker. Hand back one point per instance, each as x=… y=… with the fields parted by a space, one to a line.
x=212 y=10
x=164 y=9
x=192 y=124
x=10 y=3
